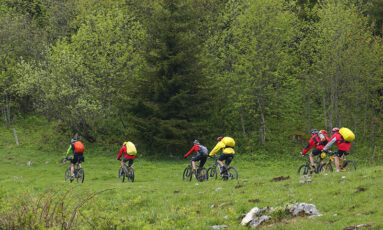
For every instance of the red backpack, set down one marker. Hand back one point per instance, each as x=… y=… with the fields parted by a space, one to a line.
x=78 y=147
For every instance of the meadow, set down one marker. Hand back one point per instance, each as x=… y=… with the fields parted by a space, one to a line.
x=37 y=197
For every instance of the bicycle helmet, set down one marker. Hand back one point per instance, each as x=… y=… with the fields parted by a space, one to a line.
x=335 y=129
x=196 y=142
x=73 y=141
x=219 y=138
x=314 y=131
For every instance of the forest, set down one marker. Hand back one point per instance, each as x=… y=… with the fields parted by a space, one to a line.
x=163 y=73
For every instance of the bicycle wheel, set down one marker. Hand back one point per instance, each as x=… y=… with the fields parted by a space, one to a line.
x=303 y=170
x=201 y=174
x=67 y=174
x=349 y=165
x=130 y=175
x=187 y=175
x=211 y=173
x=121 y=175
x=80 y=175
x=232 y=173
x=325 y=168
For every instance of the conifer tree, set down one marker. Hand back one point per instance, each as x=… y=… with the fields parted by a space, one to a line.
x=170 y=99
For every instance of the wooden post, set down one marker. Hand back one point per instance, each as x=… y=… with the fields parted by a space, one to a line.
x=17 y=140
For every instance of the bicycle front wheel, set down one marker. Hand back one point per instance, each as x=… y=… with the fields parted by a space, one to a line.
x=80 y=175
x=232 y=173
x=187 y=175
x=303 y=170
x=349 y=165
x=67 y=174
x=325 y=168
x=121 y=175
x=211 y=173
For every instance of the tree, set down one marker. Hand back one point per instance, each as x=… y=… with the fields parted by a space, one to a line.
x=171 y=96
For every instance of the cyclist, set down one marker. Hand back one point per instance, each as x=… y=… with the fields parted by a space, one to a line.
x=129 y=151
x=201 y=152
x=343 y=146
x=318 y=140
x=227 y=155
x=77 y=148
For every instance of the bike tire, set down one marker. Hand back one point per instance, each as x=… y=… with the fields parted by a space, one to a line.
x=201 y=176
x=131 y=175
x=303 y=170
x=67 y=174
x=187 y=175
x=232 y=173
x=211 y=173
x=80 y=175
x=121 y=175
x=325 y=168
x=349 y=165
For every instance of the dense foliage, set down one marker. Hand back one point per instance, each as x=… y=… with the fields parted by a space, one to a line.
x=166 y=72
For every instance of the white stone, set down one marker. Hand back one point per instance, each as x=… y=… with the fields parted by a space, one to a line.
x=250 y=216
x=306 y=209
x=259 y=220
x=218 y=189
x=29 y=163
x=217 y=227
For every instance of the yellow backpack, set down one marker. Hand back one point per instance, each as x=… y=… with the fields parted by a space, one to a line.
x=130 y=148
x=228 y=141
x=347 y=134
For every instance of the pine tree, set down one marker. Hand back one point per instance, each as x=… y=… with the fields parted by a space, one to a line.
x=170 y=99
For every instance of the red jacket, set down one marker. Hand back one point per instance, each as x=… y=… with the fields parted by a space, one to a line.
x=340 y=142
x=127 y=156
x=194 y=148
x=314 y=140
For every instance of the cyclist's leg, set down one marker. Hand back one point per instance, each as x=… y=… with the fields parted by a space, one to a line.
x=80 y=160
x=203 y=161
x=220 y=160
x=315 y=152
x=123 y=162
x=228 y=160
x=338 y=154
x=194 y=160
x=130 y=164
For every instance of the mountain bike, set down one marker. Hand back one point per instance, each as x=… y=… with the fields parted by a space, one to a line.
x=344 y=164
x=306 y=168
x=200 y=174
x=231 y=172
x=126 y=172
x=78 y=172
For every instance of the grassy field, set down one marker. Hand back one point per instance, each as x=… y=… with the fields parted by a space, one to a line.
x=159 y=199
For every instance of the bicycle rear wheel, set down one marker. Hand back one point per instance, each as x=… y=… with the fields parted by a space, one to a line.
x=187 y=175
x=201 y=174
x=303 y=170
x=349 y=165
x=67 y=174
x=80 y=175
x=130 y=175
x=232 y=173
x=211 y=173
x=325 y=168
x=121 y=175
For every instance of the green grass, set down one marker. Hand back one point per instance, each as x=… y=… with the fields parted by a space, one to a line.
x=159 y=199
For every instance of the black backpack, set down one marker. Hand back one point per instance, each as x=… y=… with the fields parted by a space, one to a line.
x=203 y=150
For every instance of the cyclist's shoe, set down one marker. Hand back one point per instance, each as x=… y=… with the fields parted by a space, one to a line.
x=71 y=178
x=343 y=170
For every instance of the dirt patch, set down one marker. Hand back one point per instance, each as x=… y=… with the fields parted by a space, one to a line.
x=286 y=185
x=238 y=186
x=280 y=178
x=176 y=191
x=259 y=183
x=254 y=200
x=361 y=189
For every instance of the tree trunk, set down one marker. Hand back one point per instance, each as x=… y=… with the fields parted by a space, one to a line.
x=242 y=120
x=372 y=128
x=324 y=111
x=308 y=114
x=262 y=127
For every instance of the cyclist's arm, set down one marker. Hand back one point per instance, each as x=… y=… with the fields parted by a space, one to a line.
x=121 y=152
x=309 y=145
x=194 y=148
x=68 y=151
x=331 y=142
x=219 y=146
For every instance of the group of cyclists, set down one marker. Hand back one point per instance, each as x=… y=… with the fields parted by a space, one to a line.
x=319 y=140
x=322 y=143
